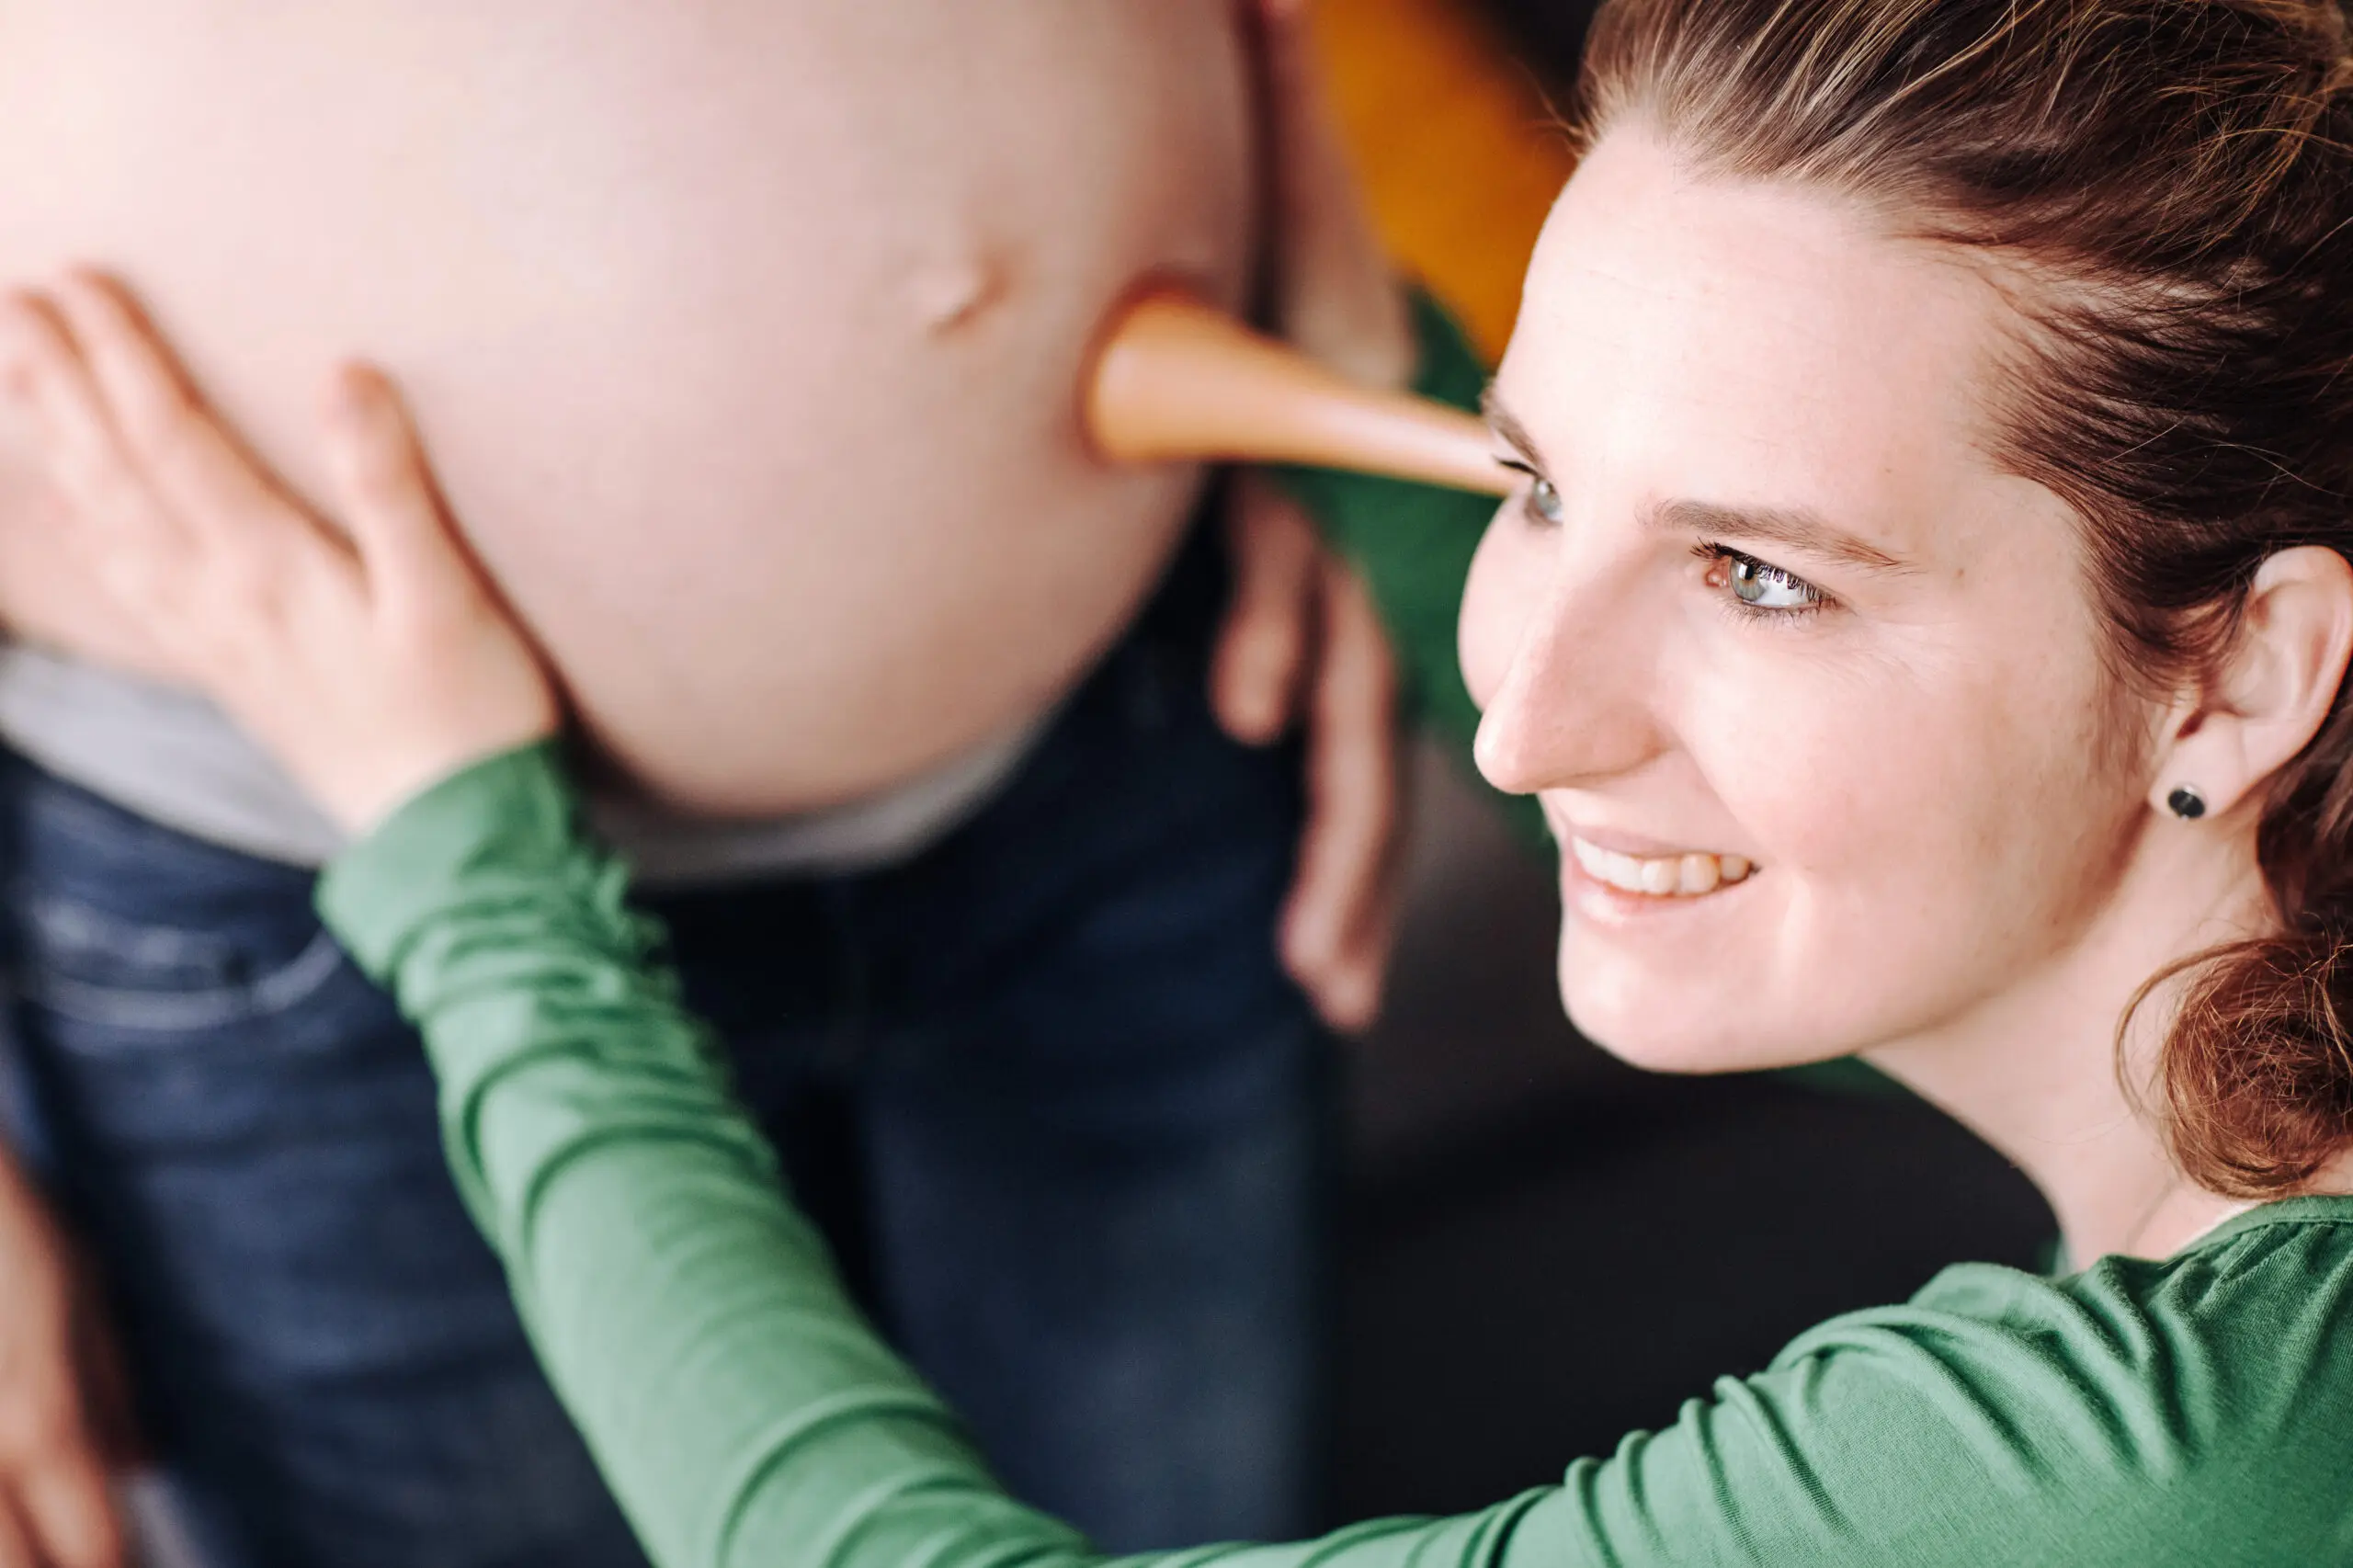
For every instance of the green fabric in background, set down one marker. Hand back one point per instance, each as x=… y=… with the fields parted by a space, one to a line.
x=1412 y=544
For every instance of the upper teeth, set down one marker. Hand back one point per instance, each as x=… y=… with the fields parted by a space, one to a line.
x=1661 y=876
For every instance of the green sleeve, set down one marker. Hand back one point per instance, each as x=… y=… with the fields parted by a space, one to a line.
x=1412 y=544
x=686 y=1313
x=747 y=1417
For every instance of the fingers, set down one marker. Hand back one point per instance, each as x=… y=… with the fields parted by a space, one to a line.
x=54 y=1508
x=109 y=543
x=387 y=494
x=198 y=469
x=1349 y=988
x=69 y=1511
x=153 y=482
x=48 y=374
x=124 y=410
x=16 y=1539
x=1255 y=673
x=53 y=1478
x=1294 y=609
x=1338 y=924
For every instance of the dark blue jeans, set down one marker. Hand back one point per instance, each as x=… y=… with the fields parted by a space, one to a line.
x=1045 y=1085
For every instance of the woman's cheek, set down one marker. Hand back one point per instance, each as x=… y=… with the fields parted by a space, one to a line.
x=1504 y=588
x=1807 y=767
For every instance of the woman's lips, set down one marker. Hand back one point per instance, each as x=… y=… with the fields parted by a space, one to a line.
x=1675 y=874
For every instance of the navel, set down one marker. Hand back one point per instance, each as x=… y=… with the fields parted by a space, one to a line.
x=950 y=293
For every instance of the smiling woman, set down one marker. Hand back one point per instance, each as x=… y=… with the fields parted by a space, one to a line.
x=2025 y=516
x=1773 y=532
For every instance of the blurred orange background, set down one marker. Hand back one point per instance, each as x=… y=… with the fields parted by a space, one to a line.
x=1459 y=150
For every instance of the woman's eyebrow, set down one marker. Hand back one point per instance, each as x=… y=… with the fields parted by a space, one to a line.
x=1796 y=528
x=1506 y=425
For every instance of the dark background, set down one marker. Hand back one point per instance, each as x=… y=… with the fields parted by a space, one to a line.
x=1543 y=1249
x=1547 y=33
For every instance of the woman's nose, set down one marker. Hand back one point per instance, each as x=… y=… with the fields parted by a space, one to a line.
x=1578 y=701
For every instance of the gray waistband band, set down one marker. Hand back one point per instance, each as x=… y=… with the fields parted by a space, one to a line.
x=171 y=756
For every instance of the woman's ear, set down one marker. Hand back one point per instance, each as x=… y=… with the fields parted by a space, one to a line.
x=2273 y=690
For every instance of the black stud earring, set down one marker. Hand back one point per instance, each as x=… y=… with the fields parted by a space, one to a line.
x=2187 y=804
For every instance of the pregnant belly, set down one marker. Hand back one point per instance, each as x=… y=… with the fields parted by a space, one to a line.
x=745 y=333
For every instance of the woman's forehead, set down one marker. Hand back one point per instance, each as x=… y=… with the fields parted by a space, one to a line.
x=1756 y=338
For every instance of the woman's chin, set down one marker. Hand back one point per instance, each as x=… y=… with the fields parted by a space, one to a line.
x=1678 y=1027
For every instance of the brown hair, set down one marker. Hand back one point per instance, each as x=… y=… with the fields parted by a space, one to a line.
x=2172 y=181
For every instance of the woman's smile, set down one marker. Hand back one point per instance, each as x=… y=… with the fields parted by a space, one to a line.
x=1688 y=874
x=1604 y=898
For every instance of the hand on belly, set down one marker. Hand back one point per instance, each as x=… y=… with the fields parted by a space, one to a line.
x=745 y=335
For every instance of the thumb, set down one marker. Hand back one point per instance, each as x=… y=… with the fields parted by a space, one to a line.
x=1263 y=647
x=386 y=495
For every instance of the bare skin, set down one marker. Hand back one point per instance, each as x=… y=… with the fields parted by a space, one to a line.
x=62 y=1396
x=748 y=332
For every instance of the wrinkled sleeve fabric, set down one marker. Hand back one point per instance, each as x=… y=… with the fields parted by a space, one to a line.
x=687 y=1314
x=747 y=1417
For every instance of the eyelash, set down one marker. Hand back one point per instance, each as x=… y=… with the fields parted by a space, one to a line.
x=1714 y=555
x=1706 y=550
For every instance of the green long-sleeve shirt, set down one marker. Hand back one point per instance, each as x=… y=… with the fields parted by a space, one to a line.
x=2193 y=1412
x=2196 y=1412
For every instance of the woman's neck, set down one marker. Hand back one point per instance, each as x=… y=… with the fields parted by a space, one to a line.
x=2036 y=1070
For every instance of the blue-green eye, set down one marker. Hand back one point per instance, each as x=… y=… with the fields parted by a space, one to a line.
x=1543 y=502
x=1759 y=585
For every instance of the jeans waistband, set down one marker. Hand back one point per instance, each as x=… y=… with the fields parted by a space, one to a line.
x=169 y=755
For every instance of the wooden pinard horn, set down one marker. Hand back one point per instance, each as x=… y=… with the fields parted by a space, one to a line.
x=1178 y=380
